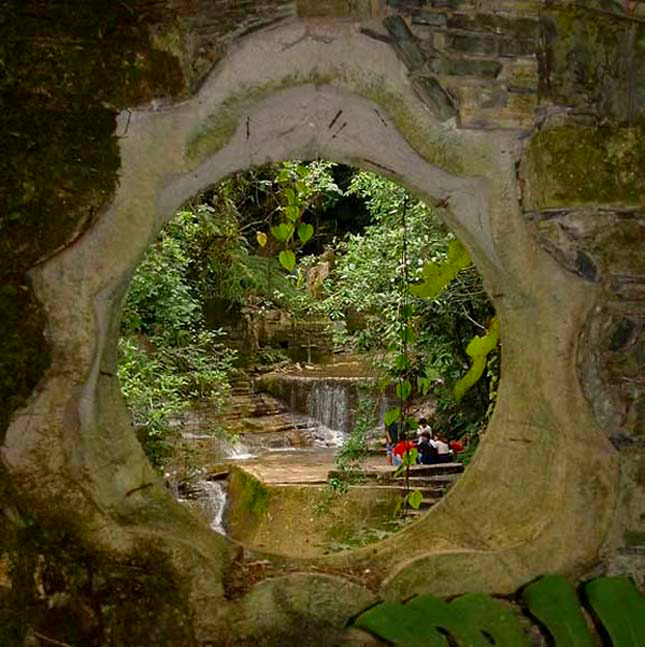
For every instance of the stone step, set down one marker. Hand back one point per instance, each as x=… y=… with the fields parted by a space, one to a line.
x=415 y=471
x=429 y=499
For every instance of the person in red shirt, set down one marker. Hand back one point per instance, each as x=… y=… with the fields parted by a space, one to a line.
x=400 y=449
x=456 y=446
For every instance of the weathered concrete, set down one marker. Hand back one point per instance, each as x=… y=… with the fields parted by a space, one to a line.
x=549 y=204
x=327 y=90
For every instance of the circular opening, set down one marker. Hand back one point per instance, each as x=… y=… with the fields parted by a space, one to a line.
x=309 y=357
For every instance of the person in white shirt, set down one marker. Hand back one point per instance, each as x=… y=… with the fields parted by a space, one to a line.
x=424 y=428
x=443 y=450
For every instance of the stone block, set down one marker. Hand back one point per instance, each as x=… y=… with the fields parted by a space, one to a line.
x=431 y=92
x=489 y=44
x=453 y=66
x=520 y=73
x=406 y=6
x=610 y=239
x=473 y=43
x=595 y=62
x=430 y=18
x=490 y=105
x=404 y=42
x=337 y=8
x=521 y=28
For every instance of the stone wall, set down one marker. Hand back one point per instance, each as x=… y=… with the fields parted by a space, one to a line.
x=557 y=86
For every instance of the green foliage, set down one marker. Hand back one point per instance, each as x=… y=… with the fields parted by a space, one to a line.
x=370 y=282
x=552 y=600
x=167 y=358
x=492 y=618
x=470 y=621
x=620 y=608
x=478 y=620
x=354 y=449
x=368 y=272
x=302 y=189
x=415 y=498
x=437 y=276
x=392 y=415
x=159 y=381
x=287 y=259
x=478 y=349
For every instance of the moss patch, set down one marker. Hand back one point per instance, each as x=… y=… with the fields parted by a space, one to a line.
x=593 y=61
x=65 y=75
x=249 y=500
x=574 y=165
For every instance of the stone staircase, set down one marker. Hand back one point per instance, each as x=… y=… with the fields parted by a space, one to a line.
x=433 y=481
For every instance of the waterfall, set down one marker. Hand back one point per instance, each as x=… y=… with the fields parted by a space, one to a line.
x=330 y=402
x=211 y=496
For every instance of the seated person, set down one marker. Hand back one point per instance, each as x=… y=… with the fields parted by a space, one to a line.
x=427 y=449
x=444 y=455
x=424 y=427
x=456 y=446
x=401 y=448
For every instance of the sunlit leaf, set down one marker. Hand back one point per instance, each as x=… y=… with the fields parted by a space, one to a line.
x=415 y=498
x=290 y=195
x=287 y=259
x=305 y=232
x=292 y=212
x=478 y=349
x=261 y=238
x=282 y=231
x=423 y=384
x=436 y=276
x=392 y=415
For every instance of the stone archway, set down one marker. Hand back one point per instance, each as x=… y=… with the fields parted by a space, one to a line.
x=539 y=494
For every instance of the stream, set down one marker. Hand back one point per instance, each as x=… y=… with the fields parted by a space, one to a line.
x=296 y=423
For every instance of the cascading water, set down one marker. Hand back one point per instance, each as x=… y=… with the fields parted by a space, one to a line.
x=329 y=402
x=214 y=502
x=210 y=498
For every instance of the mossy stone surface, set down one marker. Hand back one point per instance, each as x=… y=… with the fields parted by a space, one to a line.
x=576 y=165
x=594 y=61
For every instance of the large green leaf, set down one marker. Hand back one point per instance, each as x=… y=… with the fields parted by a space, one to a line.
x=477 y=349
x=440 y=614
x=497 y=619
x=287 y=259
x=621 y=609
x=553 y=601
x=305 y=232
x=436 y=276
x=282 y=231
x=292 y=212
x=415 y=498
x=402 y=625
x=392 y=415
